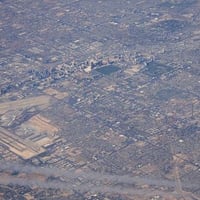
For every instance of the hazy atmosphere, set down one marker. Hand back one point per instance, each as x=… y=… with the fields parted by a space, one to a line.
x=99 y=100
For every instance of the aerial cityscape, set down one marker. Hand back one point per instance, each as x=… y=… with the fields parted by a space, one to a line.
x=100 y=100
